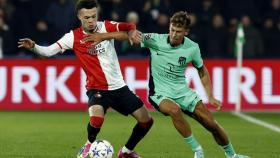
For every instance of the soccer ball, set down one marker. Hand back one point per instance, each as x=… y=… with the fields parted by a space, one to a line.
x=101 y=149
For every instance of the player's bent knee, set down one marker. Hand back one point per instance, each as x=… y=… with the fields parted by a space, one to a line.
x=147 y=124
x=96 y=121
x=175 y=111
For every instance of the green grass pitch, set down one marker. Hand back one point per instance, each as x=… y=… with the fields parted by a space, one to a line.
x=61 y=134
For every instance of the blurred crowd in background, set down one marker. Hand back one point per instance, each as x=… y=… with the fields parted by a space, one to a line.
x=213 y=26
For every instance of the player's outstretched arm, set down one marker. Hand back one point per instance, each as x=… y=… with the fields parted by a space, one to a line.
x=99 y=37
x=48 y=51
x=134 y=37
x=205 y=79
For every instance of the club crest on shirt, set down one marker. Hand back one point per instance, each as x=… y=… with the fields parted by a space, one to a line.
x=182 y=61
x=97 y=95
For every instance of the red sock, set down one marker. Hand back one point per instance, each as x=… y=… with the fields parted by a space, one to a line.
x=96 y=121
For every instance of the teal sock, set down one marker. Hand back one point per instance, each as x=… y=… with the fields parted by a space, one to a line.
x=193 y=143
x=229 y=150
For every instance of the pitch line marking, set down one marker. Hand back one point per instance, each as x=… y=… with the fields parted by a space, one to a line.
x=257 y=121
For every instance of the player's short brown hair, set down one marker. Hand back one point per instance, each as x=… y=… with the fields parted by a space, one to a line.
x=181 y=19
x=87 y=4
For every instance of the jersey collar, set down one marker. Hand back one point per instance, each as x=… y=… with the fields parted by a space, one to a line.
x=95 y=30
x=168 y=41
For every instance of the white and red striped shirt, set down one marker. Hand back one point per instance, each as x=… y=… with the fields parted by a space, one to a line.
x=100 y=62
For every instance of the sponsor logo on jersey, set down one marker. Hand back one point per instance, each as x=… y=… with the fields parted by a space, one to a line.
x=95 y=49
x=91 y=50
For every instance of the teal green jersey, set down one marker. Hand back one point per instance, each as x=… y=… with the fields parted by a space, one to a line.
x=168 y=64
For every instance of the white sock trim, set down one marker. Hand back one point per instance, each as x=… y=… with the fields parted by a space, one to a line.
x=199 y=148
x=125 y=150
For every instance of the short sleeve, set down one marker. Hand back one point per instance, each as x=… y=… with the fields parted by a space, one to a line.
x=197 y=59
x=111 y=26
x=149 y=40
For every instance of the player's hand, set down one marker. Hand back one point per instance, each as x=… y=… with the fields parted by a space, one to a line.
x=216 y=103
x=26 y=43
x=134 y=37
x=94 y=37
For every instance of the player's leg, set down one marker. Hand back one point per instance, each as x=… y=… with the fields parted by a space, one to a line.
x=142 y=127
x=129 y=103
x=173 y=110
x=96 y=115
x=97 y=108
x=205 y=118
x=98 y=104
x=170 y=108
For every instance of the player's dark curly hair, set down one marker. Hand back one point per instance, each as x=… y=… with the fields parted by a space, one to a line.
x=87 y=4
x=181 y=19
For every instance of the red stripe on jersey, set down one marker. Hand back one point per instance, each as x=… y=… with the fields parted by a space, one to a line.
x=59 y=45
x=91 y=65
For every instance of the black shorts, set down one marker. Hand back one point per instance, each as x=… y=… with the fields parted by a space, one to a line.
x=122 y=100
